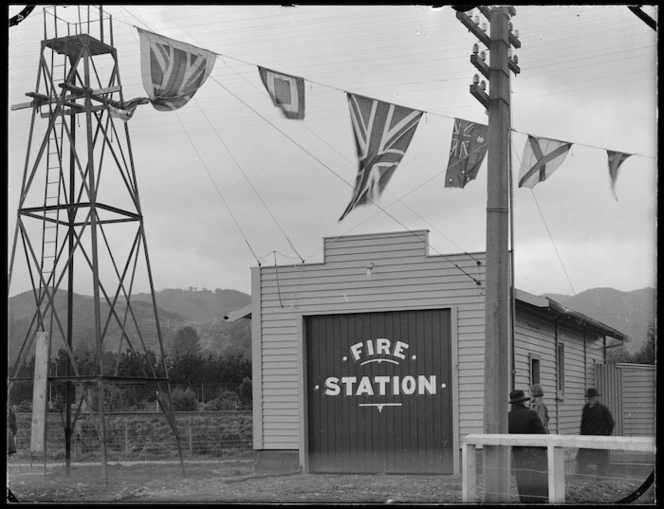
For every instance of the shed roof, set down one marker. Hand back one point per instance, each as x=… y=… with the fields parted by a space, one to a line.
x=555 y=308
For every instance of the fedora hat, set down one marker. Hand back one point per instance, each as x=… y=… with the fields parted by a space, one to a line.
x=517 y=396
x=592 y=392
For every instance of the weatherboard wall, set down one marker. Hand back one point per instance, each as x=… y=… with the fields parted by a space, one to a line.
x=403 y=277
x=538 y=334
x=534 y=336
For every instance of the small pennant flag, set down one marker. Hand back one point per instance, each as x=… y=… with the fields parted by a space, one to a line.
x=287 y=92
x=615 y=160
x=128 y=108
x=541 y=157
x=467 y=151
x=172 y=71
x=382 y=134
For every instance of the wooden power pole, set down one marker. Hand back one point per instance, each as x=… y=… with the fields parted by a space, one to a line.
x=497 y=376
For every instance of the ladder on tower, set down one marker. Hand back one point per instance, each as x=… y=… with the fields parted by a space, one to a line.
x=53 y=187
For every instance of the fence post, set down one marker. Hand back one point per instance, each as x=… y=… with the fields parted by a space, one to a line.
x=191 y=440
x=556 y=467
x=468 y=476
x=126 y=430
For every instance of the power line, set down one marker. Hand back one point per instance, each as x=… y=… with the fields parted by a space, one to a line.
x=548 y=231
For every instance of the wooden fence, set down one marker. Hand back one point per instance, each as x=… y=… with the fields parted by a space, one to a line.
x=555 y=446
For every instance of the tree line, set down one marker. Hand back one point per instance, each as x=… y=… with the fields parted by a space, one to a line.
x=646 y=355
x=185 y=365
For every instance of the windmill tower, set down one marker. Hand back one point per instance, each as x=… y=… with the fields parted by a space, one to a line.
x=79 y=226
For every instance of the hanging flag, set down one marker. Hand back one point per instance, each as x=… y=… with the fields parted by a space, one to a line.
x=467 y=151
x=541 y=157
x=287 y=92
x=615 y=160
x=172 y=71
x=128 y=108
x=382 y=134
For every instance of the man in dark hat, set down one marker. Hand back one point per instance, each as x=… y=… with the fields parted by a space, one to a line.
x=529 y=462
x=596 y=419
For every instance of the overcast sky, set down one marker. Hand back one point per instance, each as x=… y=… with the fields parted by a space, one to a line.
x=588 y=76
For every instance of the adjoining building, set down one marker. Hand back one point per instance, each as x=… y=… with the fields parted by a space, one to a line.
x=372 y=361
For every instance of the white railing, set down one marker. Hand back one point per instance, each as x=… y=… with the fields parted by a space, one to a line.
x=555 y=445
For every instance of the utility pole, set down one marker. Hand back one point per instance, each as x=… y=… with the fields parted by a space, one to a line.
x=496 y=460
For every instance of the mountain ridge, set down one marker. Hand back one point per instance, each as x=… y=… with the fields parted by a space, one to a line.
x=203 y=310
x=629 y=312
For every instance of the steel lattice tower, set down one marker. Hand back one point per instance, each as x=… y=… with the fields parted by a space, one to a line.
x=79 y=214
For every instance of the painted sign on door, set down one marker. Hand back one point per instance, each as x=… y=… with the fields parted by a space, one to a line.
x=379 y=393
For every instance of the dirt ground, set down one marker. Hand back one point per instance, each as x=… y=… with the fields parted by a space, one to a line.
x=234 y=481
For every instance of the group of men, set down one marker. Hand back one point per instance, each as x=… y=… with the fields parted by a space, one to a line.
x=530 y=463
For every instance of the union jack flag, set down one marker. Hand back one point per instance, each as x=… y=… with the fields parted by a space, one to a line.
x=467 y=150
x=382 y=134
x=172 y=71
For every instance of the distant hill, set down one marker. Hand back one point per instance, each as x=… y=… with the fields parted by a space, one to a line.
x=198 y=305
x=629 y=312
x=203 y=310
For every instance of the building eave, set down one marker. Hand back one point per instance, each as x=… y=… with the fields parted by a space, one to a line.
x=243 y=312
x=558 y=309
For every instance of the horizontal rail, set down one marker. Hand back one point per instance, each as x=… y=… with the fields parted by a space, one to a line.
x=638 y=444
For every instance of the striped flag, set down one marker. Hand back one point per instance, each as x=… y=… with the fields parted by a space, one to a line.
x=615 y=160
x=286 y=92
x=172 y=71
x=467 y=151
x=541 y=157
x=382 y=134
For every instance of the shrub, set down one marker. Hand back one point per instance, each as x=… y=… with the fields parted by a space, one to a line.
x=184 y=400
x=245 y=391
x=226 y=400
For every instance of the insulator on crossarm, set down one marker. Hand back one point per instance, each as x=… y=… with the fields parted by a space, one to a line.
x=483 y=56
x=476 y=79
x=516 y=59
x=476 y=19
x=476 y=49
x=516 y=34
x=484 y=27
x=510 y=26
x=509 y=53
x=483 y=85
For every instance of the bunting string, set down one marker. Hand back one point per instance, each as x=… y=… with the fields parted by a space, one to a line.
x=428 y=112
x=383 y=130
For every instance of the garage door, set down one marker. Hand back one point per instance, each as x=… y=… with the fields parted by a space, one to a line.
x=379 y=392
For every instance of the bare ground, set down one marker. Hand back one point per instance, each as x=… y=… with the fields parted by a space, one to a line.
x=234 y=481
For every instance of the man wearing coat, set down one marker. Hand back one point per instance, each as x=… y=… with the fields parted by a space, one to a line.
x=596 y=419
x=529 y=462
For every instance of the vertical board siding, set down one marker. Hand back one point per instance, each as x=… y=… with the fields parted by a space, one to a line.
x=403 y=277
x=609 y=384
x=639 y=398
